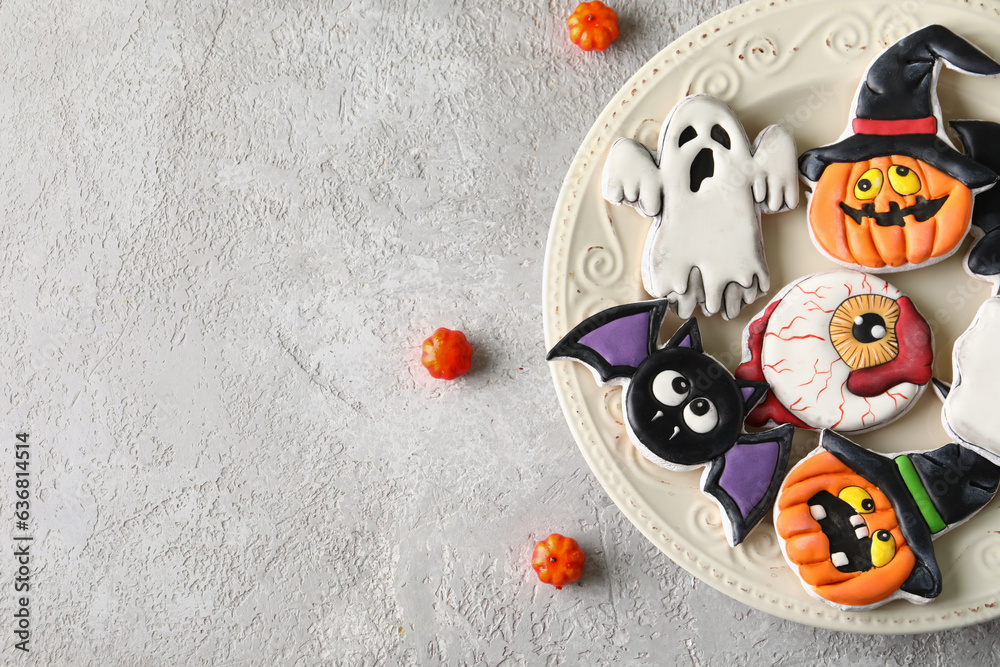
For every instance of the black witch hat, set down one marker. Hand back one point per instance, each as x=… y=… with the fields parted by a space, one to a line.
x=981 y=139
x=896 y=110
x=930 y=492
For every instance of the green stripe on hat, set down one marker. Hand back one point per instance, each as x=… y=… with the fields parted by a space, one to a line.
x=916 y=487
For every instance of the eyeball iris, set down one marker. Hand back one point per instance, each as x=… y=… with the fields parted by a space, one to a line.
x=883 y=548
x=904 y=180
x=863 y=330
x=857 y=498
x=671 y=388
x=869 y=185
x=701 y=415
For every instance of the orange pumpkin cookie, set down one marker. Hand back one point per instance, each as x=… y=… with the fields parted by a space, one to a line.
x=894 y=193
x=856 y=526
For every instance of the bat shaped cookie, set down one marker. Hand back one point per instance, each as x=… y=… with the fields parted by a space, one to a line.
x=705 y=189
x=683 y=409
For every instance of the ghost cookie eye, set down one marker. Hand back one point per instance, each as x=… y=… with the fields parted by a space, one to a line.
x=687 y=135
x=720 y=136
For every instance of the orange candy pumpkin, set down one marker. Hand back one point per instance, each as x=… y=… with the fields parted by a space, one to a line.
x=558 y=560
x=593 y=26
x=808 y=549
x=888 y=211
x=446 y=354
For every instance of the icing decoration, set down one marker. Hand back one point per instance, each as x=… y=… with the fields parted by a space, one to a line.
x=856 y=526
x=980 y=139
x=970 y=413
x=916 y=487
x=893 y=192
x=683 y=409
x=705 y=189
x=841 y=350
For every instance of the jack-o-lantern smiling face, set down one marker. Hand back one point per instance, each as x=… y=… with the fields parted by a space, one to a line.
x=894 y=192
x=842 y=533
x=888 y=211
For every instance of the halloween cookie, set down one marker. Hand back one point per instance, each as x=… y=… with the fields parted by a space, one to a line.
x=856 y=526
x=981 y=139
x=705 y=189
x=683 y=409
x=970 y=413
x=841 y=350
x=893 y=192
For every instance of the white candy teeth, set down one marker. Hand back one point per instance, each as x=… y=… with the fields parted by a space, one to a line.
x=856 y=520
x=862 y=532
x=817 y=512
x=839 y=559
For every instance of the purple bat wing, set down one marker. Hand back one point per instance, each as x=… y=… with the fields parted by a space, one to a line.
x=745 y=480
x=614 y=341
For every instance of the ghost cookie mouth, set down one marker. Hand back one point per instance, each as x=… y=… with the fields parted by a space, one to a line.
x=702 y=168
x=853 y=546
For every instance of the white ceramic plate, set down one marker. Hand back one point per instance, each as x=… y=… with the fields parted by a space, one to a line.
x=798 y=63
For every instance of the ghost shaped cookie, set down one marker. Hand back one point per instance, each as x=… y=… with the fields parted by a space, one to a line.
x=705 y=189
x=970 y=413
x=683 y=409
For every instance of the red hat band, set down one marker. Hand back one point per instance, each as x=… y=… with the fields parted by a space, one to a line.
x=926 y=125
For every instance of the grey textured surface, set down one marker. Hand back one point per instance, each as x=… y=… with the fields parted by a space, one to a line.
x=227 y=229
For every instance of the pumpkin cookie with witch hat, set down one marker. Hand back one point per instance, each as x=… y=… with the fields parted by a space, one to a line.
x=856 y=526
x=893 y=192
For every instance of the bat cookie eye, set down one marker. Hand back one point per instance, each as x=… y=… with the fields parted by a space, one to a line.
x=883 y=548
x=671 y=388
x=860 y=500
x=701 y=415
x=869 y=185
x=904 y=180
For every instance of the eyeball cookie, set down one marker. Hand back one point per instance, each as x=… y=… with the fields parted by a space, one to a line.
x=840 y=350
